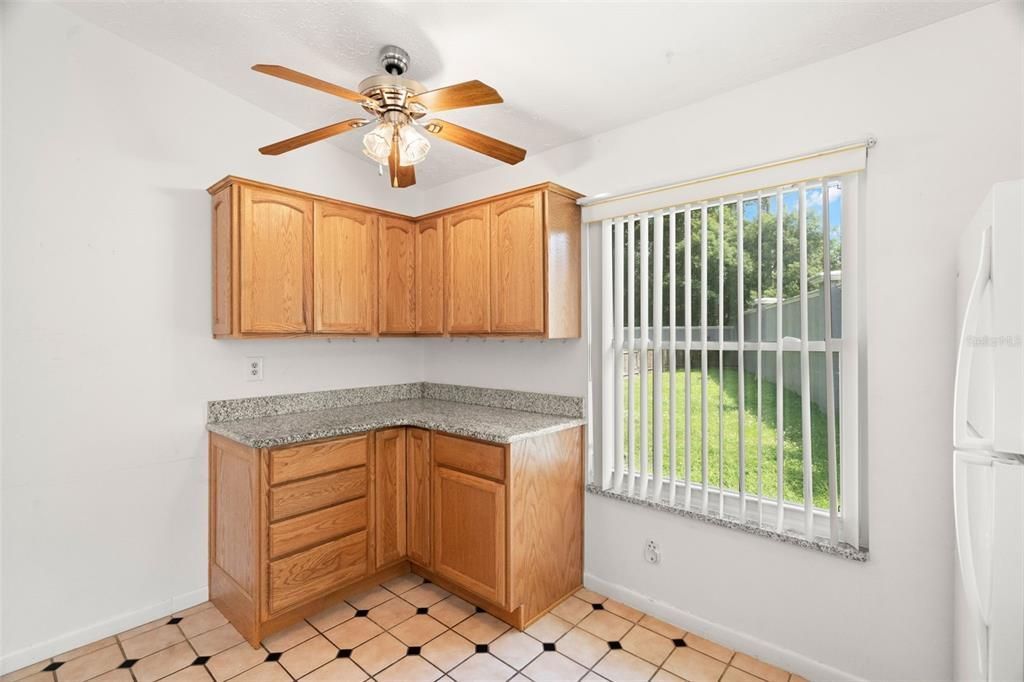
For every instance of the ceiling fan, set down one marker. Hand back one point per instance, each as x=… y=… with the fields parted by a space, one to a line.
x=396 y=104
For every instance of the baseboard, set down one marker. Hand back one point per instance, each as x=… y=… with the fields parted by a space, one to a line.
x=15 y=660
x=734 y=639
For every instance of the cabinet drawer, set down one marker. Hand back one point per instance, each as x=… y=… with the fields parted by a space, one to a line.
x=316 y=493
x=301 y=461
x=471 y=456
x=316 y=571
x=316 y=527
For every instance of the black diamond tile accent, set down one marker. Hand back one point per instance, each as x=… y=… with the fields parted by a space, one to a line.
x=361 y=613
x=174 y=621
x=412 y=651
x=53 y=666
x=128 y=663
x=426 y=582
x=481 y=648
x=273 y=657
x=679 y=642
x=344 y=653
x=598 y=607
x=549 y=646
x=614 y=645
x=421 y=610
x=201 y=660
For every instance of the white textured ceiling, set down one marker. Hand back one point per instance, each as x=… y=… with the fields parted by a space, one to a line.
x=566 y=70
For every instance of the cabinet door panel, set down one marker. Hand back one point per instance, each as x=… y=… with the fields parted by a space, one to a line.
x=469 y=532
x=467 y=268
x=517 y=264
x=344 y=269
x=274 y=242
x=429 y=277
x=397 y=299
x=389 y=496
x=304 y=576
x=418 y=495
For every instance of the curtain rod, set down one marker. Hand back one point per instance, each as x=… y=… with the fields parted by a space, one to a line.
x=603 y=198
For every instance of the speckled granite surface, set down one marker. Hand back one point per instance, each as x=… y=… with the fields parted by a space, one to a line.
x=545 y=403
x=493 y=424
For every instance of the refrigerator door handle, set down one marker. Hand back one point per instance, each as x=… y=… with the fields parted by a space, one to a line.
x=969 y=569
x=963 y=436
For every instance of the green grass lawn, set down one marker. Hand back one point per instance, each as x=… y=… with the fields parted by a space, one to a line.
x=792 y=437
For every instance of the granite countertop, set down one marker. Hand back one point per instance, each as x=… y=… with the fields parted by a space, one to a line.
x=493 y=424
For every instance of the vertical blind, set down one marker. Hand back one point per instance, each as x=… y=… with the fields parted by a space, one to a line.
x=731 y=354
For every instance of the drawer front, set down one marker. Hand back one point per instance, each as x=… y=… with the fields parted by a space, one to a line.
x=292 y=499
x=302 y=461
x=316 y=571
x=471 y=456
x=316 y=527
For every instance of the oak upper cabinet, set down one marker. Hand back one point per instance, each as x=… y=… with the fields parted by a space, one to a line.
x=467 y=270
x=389 y=480
x=517 y=264
x=417 y=492
x=397 y=276
x=344 y=269
x=430 y=276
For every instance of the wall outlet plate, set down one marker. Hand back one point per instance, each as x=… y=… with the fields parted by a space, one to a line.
x=652 y=552
x=254 y=369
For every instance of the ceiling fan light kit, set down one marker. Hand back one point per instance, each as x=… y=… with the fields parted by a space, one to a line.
x=397 y=104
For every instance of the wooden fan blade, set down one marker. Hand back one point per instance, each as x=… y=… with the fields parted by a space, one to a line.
x=468 y=94
x=313 y=136
x=309 y=81
x=401 y=176
x=478 y=142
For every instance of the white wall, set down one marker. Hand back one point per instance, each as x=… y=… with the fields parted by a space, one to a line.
x=945 y=104
x=107 y=352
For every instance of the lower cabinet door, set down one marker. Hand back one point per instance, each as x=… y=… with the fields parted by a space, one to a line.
x=389 y=496
x=469 y=533
x=306 y=575
x=418 y=495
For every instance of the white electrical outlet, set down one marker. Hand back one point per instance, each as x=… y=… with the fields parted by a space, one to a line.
x=254 y=369
x=652 y=553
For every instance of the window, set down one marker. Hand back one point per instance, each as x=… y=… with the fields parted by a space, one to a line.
x=731 y=357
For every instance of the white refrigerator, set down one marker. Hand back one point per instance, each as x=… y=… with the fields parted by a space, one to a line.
x=988 y=441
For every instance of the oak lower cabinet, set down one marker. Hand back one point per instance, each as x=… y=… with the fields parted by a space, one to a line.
x=297 y=528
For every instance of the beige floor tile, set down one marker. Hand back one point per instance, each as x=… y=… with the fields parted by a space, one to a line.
x=448 y=650
x=338 y=670
x=582 y=647
x=482 y=628
x=151 y=625
x=27 y=671
x=548 y=628
x=590 y=596
x=152 y=641
x=623 y=610
x=90 y=665
x=648 y=645
x=193 y=673
x=481 y=668
x=622 y=666
x=552 y=666
x=516 y=648
x=378 y=653
x=796 y=678
x=759 y=668
x=193 y=609
x=265 y=672
x=115 y=675
x=418 y=630
x=308 y=656
x=427 y=594
x=605 y=625
x=203 y=621
x=409 y=669
x=736 y=675
x=87 y=649
x=235 y=661
x=216 y=640
x=375 y=596
x=662 y=628
x=592 y=677
x=164 y=662
x=353 y=632
x=40 y=677
x=573 y=610
x=402 y=583
x=332 y=616
x=694 y=666
x=452 y=611
x=290 y=637
x=706 y=646
x=665 y=676
x=392 y=612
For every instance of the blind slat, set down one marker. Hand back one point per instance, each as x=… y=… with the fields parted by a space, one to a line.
x=805 y=372
x=618 y=340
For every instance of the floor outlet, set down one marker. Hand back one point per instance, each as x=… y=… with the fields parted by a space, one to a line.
x=254 y=369
x=652 y=553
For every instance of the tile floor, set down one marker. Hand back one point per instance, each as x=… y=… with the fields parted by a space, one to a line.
x=409 y=630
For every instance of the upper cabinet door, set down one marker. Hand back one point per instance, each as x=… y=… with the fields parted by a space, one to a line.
x=397 y=296
x=467 y=268
x=429 y=277
x=344 y=269
x=275 y=242
x=517 y=264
